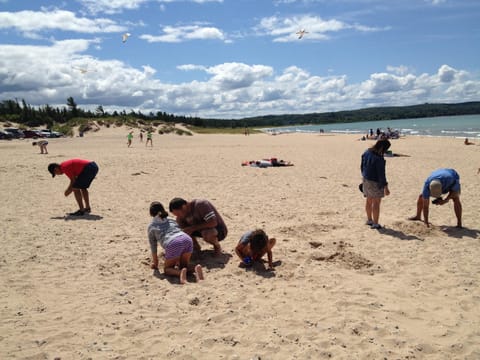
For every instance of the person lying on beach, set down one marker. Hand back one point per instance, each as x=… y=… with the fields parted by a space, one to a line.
x=468 y=142
x=267 y=163
x=253 y=245
x=178 y=245
x=441 y=181
x=199 y=218
x=42 y=144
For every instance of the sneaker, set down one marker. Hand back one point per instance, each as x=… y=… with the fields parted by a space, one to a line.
x=77 y=213
x=369 y=222
x=376 y=226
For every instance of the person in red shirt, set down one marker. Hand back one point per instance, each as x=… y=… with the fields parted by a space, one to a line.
x=81 y=174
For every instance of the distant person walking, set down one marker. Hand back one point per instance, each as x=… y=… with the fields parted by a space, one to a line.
x=81 y=174
x=375 y=185
x=149 y=139
x=441 y=181
x=43 y=146
x=141 y=136
x=129 y=138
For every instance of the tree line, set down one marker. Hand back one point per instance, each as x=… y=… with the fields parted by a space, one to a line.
x=23 y=113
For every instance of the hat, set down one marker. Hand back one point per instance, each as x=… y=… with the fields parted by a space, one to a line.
x=51 y=168
x=435 y=188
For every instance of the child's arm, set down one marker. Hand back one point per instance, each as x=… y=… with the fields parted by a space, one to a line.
x=154 y=264
x=153 y=247
x=271 y=244
x=270 y=260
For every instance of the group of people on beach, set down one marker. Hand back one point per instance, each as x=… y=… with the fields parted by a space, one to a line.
x=375 y=186
x=200 y=219
x=379 y=134
x=149 y=138
x=197 y=218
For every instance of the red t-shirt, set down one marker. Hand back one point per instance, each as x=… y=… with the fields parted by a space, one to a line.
x=73 y=167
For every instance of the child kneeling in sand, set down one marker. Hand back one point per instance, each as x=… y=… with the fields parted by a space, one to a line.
x=253 y=245
x=177 y=244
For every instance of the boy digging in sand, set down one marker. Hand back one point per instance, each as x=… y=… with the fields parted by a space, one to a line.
x=177 y=244
x=253 y=245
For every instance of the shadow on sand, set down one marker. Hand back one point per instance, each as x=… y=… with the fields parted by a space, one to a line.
x=209 y=260
x=89 y=217
x=459 y=233
x=259 y=268
x=398 y=234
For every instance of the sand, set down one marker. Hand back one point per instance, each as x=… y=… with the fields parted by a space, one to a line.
x=81 y=288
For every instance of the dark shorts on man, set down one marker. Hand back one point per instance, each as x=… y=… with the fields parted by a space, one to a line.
x=86 y=177
x=220 y=233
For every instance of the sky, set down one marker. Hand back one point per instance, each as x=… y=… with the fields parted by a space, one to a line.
x=239 y=58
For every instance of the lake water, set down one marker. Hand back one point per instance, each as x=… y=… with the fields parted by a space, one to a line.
x=456 y=126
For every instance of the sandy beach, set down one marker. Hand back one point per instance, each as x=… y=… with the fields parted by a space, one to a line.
x=82 y=288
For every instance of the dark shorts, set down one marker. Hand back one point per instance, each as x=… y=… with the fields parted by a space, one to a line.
x=220 y=233
x=86 y=177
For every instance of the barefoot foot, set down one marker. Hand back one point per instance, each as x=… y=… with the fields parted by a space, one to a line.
x=414 y=218
x=199 y=272
x=183 y=276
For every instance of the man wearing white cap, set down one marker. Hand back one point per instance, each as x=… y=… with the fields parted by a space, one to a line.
x=441 y=181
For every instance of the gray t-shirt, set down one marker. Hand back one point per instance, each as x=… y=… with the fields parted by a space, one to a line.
x=162 y=231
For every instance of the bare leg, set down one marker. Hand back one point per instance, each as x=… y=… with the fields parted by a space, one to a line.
x=216 y=244
x=78 y=197
x=196 y=245
x=169 y=269
x=211 y=236
x=457 y=206
x=376 y=209
x=368 y=209
x=86 y=198
x=183 y=276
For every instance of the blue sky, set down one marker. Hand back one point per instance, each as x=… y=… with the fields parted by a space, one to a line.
x=239 y=58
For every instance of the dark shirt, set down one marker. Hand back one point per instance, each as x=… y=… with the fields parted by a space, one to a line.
x=202 y=211
x=373 y=167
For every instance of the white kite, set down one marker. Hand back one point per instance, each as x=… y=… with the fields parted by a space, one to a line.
x=301 y=33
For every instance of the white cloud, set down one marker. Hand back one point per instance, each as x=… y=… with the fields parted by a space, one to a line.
x=284 y=29
x=172 y=34
x=32 y=22
x=116 y=6
x=191 y=67
x=399 y=70
x=47 y=74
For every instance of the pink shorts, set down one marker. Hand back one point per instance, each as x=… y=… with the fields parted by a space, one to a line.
x=180 y=245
